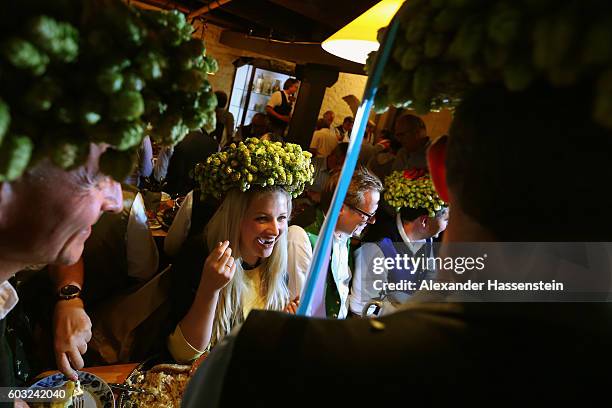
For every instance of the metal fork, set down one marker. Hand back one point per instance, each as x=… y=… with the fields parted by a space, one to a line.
x=78 y=399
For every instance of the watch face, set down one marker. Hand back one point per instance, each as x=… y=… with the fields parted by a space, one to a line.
x=70 y=290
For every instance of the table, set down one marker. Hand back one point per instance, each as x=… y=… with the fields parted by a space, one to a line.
x=112 y=373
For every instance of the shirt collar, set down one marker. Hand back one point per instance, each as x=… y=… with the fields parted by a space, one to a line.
x=8 y=298
x=400 y=229
x=340 y=237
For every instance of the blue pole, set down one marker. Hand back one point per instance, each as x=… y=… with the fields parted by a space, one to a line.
x=319 y=260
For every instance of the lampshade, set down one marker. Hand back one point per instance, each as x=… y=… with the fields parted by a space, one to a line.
x=358 y=38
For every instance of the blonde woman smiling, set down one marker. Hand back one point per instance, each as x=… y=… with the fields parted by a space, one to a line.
x=241 y=262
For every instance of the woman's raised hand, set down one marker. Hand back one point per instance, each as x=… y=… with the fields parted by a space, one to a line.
x=219 y=267
x=293 y=305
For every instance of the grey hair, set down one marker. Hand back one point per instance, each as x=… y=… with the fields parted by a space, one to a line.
x=363 y=180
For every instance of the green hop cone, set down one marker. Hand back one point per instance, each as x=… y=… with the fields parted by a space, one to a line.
x=211 y=64
x=133 y=82
x=15 y=154
x=24 y=55
x=189 y=52
x=207 y=101
x=210 y=122
x=151 y=65
x=67 y=154
x=109 y=81
x=5 y=119
x=195 y=119
x=191 y=80
x=127 y=135
x=118 y=164
x=58 y=39
x=170 y=130
x=126 y=105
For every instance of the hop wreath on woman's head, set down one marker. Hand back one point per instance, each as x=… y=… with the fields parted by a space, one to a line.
x=412 y=188
x=256 y=162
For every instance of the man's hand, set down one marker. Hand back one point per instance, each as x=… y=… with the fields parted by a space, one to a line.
x=19 y=403
x=72 y=332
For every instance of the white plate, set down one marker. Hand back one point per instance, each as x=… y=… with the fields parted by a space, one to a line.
x=97 y=392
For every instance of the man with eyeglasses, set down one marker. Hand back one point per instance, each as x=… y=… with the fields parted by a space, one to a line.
x=358 y=211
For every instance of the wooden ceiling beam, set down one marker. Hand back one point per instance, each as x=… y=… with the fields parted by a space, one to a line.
x=208 y=8
x=159 y=5
x=333 y=14
x=307 y=9
x=298 y=53
x=277 y=19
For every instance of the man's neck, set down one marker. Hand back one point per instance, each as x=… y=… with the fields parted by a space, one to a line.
x=411 y=232
x=337 y=233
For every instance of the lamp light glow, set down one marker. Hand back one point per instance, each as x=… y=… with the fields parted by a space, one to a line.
x=357 y=39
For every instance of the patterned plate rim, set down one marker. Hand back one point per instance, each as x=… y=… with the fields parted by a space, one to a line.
x=57 y=379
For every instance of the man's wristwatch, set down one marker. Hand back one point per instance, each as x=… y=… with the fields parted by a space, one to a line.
x=68 y=292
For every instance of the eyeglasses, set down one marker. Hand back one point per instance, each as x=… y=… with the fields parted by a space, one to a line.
x=370 y=218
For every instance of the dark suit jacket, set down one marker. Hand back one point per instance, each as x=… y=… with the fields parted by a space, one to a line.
x=195 y=148
x=507 y=354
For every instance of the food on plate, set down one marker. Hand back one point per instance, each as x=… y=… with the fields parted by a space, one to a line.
x=163 y=384
x=166 y=216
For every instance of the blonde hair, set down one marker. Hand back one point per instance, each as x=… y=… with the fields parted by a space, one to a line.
x=225 y=225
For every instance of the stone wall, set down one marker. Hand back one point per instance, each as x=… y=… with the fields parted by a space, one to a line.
x=347 y=84
x=437 y=123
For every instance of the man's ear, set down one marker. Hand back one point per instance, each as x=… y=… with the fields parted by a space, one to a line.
x=424 y=220
x=436 y=160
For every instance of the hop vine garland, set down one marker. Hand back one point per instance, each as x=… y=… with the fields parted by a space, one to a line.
x=74 y=72
x=256 y=162
x=445 y=47
x=414 y=189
